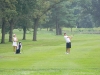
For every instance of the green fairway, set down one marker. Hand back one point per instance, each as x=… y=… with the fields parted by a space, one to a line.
x=46 y=56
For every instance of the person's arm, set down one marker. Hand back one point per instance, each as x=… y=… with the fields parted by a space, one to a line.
x=69 y=37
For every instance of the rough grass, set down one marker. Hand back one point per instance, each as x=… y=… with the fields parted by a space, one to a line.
x=47 y=56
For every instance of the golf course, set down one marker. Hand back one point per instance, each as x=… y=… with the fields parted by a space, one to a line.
x=46 y=56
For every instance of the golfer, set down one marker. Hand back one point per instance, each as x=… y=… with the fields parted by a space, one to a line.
x=68 y=43
x=14 y=39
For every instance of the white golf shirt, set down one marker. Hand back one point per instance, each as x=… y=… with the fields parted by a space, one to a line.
x=67 y=39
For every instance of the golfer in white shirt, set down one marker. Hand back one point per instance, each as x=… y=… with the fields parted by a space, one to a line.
x=68 y=43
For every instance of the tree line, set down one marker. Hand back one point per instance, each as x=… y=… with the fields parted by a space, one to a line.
x=26 y=14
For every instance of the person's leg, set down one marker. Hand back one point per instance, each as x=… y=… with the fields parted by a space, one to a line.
x=68 y=50
x=69 y=46
x=14 y=48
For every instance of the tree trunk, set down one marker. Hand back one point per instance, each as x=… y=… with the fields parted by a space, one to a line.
x=11 y=30
x=47 y=28
x=24 y=33
x=60 y=31
x=3 y=30
x=71 y=29
x=35 y=29
x=57 y=26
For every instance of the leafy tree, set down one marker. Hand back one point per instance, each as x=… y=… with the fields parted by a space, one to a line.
x=95 y=12
x=49 y=24
x=71 y=17
x=8 y=11
x=41 y=8
x=86 y=22
x=63 y=15
x=24 y=9
x=89 y=12
x=24 y=23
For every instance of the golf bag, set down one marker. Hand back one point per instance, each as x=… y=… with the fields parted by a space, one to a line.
x=19 y=46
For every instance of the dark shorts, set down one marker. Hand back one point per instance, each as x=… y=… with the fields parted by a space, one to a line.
x=68 y=45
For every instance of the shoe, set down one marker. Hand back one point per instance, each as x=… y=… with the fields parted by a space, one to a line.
x=66 y=53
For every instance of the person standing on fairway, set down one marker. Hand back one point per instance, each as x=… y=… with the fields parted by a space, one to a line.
x=68 y=43
x=14 y=39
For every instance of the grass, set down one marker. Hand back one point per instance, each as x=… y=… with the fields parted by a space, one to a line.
x=47 y=56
